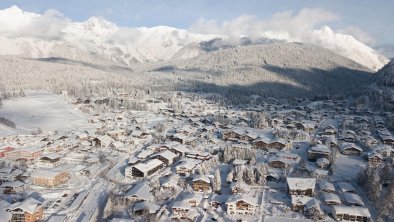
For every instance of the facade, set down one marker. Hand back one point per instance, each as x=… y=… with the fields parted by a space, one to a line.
x=49 y=178
x=30 y=153
x=319 y=151
x=201 y=183
x=301 y=186
x=147 y=168
x=29 y=210
x=242 y=204
x=351 y=213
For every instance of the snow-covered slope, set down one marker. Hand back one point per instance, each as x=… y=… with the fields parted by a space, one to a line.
x=53 y=35
x=382 y=90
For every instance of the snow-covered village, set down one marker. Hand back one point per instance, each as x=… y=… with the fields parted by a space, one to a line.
x=196 y=111
x=182 y=157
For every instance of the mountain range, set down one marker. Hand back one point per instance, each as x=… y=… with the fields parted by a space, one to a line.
x=52 y=35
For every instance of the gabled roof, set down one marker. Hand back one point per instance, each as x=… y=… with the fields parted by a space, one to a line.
x=332 y=197
x=202 y=178
x=149 y=165
x=345 y=187
x=141 y=190
x=29 y=205
x=243 y=197
x=352 y=210
x=295 y=183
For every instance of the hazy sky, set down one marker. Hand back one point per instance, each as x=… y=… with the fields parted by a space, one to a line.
x=371 y=20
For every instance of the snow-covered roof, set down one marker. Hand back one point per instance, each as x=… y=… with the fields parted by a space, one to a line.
x=51 y=156
x=332 y=197
x=345 y=146
x=352 y=198
x=322 y=161
x=167 y=155
x=351 y=210
x=243 y=197
x=16 y=183
x=149 y=165
x=29 y=205
x=46 y=173
x=301 y=183
x=345 y=187
x=325 y=185
x=320 y=148
x=141 y=190
x=202 y=178
x=153 y=208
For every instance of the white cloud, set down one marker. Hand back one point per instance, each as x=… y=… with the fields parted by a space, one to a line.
x=48 y=26
x=286 y=25
x=359 y=34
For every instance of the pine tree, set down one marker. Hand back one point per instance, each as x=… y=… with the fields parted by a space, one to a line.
x=262 y=173
x=217 y=181
x=387 y=204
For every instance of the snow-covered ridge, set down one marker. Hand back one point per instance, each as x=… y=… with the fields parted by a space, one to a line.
x=97 y=38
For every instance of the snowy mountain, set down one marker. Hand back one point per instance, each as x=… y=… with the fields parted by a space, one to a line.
x=53 y=35
x=277 y=70
x=382 y=90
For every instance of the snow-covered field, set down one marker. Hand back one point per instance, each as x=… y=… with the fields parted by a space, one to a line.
x=43 y=110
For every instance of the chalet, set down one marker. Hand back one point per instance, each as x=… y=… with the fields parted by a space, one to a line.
x=50 y=160
x=170 y=182
x=166 y=156
x=313 y=210
x=5 y=150
x=201 y=183
x=199 y=155
x=301 y=186
x=10 y=174
x=350 y=149
x=375 y=159
x=298 y=203
x=307 y=126
x=319 y=151
x=49 y=177
x=261 y=143
x=143 y=208
x=217 y=200
x=351 y=213
x=322 y=163
x=184 y=207
x=345 y=187
x=327 y=186
x=140 y=192
x=278 y=144
x=239 y=187
x=352 y=199
x=331 y=198
x=386 y=151
x=186 y=167
x=27 y=153
x=178 y=137
x=242 y=204
x=179 y=149
x=29 y=210
x=102 y=141
x=116 y=133
x=13 y=187
x=279 y=162
x=147 y=168
x=329 y=130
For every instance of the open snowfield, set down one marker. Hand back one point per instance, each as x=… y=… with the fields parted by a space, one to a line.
x=41 y=109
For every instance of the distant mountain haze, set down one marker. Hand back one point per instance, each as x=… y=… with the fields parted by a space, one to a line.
x=53 y=35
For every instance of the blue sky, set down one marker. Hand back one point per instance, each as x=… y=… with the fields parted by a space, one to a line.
x=376 y=17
